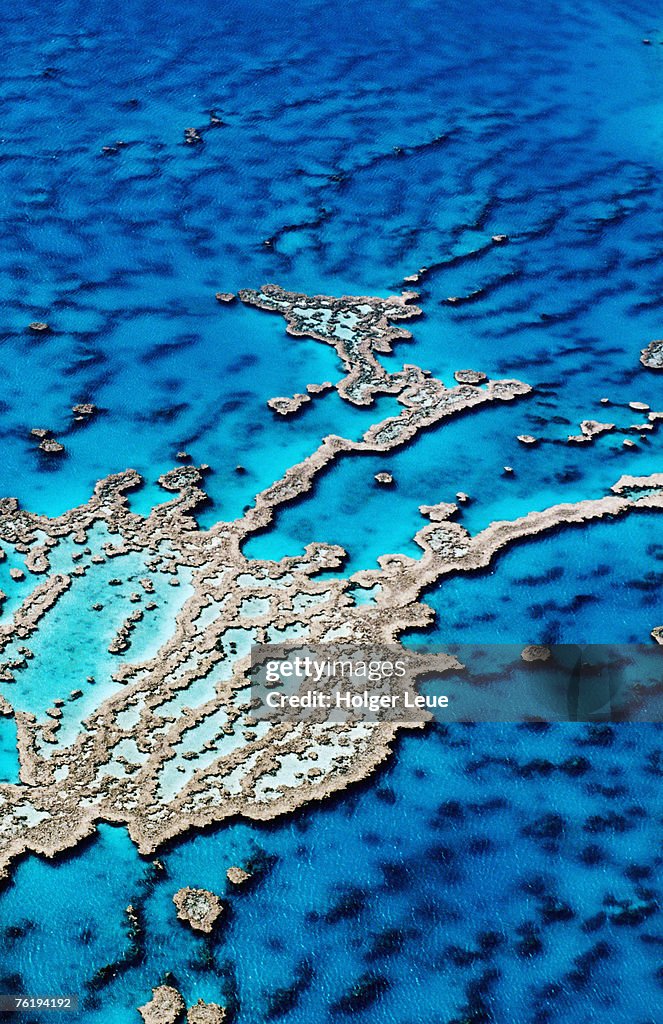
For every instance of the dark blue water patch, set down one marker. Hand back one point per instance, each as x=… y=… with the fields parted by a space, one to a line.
x=439 y=176
x=592 y=584
x=477 y=867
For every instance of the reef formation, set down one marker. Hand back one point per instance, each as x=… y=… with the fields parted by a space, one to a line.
x=169 y=741
x=199 y=908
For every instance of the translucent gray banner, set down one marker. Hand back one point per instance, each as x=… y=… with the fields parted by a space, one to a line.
x=340 y=682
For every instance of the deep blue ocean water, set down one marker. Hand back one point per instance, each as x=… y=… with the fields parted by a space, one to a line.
x=473 y=879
